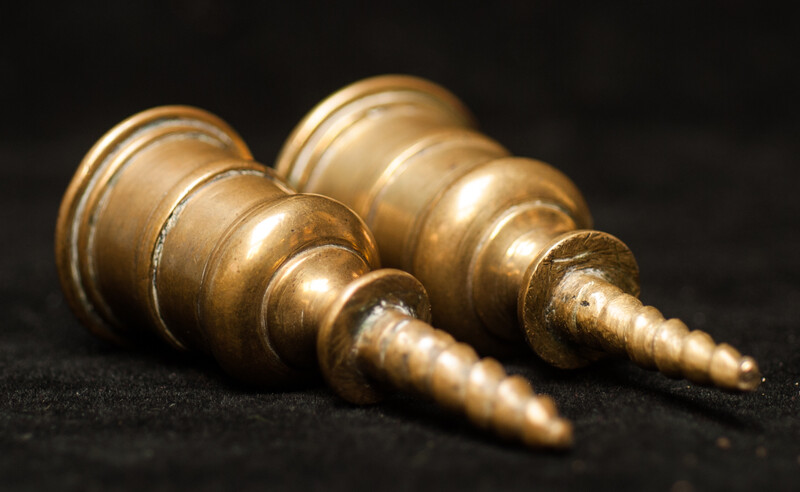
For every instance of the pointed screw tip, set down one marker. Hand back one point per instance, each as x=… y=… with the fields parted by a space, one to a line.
x=557 y=434
x=749 y=377
x=561 y=432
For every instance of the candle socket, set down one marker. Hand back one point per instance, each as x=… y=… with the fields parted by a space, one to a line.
x=168 y=228
x=502 y=244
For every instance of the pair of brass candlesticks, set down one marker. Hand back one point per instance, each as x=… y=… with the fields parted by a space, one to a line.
x=169 y=227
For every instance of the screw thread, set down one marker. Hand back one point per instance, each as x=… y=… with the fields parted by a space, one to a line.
x=601 y=315
x=412 y=355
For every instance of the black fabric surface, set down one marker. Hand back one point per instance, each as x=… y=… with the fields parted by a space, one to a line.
x=679 y=124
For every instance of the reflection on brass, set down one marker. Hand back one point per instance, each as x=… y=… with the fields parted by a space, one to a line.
x=169 y=227
x=498 y=241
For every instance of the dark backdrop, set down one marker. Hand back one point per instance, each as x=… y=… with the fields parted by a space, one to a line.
x=679 y=123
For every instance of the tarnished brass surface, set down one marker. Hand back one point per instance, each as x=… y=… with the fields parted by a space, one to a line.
x=169 y=228
x=499 y=242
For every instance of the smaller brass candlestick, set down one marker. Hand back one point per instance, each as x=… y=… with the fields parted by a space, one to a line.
x=499 y=242
x=169 y=227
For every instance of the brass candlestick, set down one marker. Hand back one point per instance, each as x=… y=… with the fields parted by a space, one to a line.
x=498 y=241
x=169 y=227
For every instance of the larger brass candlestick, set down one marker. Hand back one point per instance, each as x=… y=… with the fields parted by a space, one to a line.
x=169 y=227
x=498 y=241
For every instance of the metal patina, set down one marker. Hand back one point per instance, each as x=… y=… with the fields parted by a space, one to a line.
x=170 y=229
x=502 y=244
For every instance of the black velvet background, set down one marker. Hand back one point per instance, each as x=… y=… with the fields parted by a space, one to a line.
x=678 y=122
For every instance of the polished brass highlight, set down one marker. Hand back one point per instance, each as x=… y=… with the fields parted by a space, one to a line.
x=169 y=227
x=498 y=241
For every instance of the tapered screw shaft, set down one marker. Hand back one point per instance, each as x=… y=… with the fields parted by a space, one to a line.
x=412 y=355
x=601 y=315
